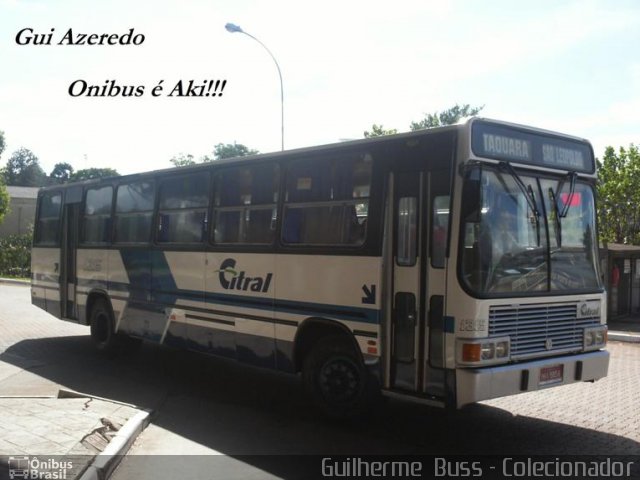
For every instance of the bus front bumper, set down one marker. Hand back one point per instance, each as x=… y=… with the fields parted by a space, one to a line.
x=474 y=385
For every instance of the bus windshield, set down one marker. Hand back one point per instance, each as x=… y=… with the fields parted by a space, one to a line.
x=527 y=234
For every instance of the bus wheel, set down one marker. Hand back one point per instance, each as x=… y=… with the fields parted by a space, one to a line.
x=336 y=378
x=102 y=328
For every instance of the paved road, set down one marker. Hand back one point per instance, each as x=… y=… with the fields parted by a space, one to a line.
x=206 y=405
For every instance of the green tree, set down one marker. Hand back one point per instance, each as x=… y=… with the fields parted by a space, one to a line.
x=15 y=255
x=449 y=116
x=3 y=145
x=230 y=150
x=4 y=200
x=4 y=195
x=619 y=195
x=89 y=173
x=23 y=169
x=61 y=173
x=182 y=160
x=379 y=131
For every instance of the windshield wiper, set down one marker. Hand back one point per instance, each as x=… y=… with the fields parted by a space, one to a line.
x=557 y=217
x=572 y=188
x=528 y=195
x=567 y=204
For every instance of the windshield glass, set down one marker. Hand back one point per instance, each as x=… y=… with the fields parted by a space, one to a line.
x=514 y=240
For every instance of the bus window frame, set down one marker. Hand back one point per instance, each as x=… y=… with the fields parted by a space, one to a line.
x=326 y=158
x=38 y=219
x=82 y=242
x=149 y=241
x=214 y=209
x=155 y=224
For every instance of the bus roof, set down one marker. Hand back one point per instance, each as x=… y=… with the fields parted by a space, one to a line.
x=465 y=124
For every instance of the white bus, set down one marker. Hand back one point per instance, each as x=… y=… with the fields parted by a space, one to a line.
x=449 y=265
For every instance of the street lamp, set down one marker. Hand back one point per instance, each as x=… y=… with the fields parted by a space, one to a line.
x=232 y=28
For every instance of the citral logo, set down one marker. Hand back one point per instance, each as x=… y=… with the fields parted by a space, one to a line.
x=588 y=309
x=231 y=279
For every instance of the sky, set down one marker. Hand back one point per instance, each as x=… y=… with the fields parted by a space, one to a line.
x=569 y=66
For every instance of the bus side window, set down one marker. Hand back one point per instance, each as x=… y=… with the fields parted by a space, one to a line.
x=245 y=206
x=183 y=204
x=48 y=224
x=326 y=203
x=134 y=212
x=97 y=216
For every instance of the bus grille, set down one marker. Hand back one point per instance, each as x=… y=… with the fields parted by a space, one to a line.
x=540 y=329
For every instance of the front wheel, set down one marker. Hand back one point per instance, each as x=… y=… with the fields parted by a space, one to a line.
x=336 y=378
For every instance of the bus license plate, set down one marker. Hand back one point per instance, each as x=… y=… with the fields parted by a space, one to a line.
x=551 y=375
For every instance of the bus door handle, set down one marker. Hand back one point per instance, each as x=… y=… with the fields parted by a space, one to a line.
x=405 y=308
x=406 y=314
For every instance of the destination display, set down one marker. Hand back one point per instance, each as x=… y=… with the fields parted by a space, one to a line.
x=501 y=142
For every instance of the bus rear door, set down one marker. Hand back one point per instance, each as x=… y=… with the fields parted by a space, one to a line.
x=68 y=252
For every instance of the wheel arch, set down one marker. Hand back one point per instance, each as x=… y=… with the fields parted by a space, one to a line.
x=311 y=330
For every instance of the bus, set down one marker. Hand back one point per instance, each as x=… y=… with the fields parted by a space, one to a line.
x=448 y=266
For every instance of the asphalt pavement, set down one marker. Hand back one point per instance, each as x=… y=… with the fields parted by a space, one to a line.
x=47 y=426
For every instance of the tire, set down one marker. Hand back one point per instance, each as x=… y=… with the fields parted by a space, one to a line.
x=102 y=327
x=336 y=378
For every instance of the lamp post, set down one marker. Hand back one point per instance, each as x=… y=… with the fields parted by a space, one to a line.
x=232 y=28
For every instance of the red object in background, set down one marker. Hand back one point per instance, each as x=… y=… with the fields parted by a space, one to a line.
x=615 y=276
x=576 y=199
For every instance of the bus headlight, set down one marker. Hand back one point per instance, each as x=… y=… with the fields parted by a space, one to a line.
x=595 y=337
x=483 y=351
x=502 y=349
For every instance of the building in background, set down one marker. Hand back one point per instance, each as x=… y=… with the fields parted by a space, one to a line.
x=621 y=264
x=22 y=203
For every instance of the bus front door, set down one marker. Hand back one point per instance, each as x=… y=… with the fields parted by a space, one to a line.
x=406 y=327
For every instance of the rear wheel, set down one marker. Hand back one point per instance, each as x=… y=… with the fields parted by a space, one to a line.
x=336 y=378
x=102 y=327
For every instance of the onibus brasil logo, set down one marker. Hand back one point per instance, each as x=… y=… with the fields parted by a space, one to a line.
x=231 y=279
x=38 y=469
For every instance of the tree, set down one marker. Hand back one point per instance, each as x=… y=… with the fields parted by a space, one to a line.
x=89 y=173
x=220 y=151
x=448 y=117
x=230 y=150
x=4 y=195
x=4 y=200
x=619 y=195
x=61 y=173
x=23 y=169
x=3 y=145
x=379 y=131
x=183 y=160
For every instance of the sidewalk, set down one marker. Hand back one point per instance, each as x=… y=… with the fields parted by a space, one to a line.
x=73 y=435
x=47 y=430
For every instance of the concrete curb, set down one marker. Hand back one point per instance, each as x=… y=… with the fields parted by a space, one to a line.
x=14 y=281
x=66 y=393
x=624 y=337
x=106 y=462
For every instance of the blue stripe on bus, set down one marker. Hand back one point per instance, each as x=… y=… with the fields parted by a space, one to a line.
x=355 y=314
x=162 y=288
x=449 y=324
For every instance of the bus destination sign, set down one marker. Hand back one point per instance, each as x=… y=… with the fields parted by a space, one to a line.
x=501 y=142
